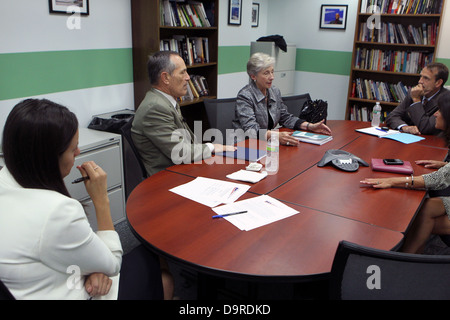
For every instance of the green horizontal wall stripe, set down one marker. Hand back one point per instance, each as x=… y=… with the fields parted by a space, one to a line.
x=444 y=61
x=35 y=73
x=322 y=61
x=234 y=59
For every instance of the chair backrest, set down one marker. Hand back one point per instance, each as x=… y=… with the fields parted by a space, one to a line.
x=220 y=114
x=5 y=294
x=295 y=103
x=134 y=169
x=361 y=273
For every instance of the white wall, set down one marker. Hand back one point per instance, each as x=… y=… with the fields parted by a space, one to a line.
x=27 y=26
x=230 y=35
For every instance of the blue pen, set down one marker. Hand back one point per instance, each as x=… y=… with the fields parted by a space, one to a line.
x=381 y=129
x=228 y=214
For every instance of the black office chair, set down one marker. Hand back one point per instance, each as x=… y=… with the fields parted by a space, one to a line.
x=357 y=270
x=134 y=169
x=5 y=294
x=295 y=103
x=221 y=114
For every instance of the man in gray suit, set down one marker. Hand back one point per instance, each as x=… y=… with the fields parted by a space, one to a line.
x=415 y=113
x=159 y=131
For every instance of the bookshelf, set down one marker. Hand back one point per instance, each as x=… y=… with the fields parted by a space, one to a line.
x=152 y=31
x=387 y=59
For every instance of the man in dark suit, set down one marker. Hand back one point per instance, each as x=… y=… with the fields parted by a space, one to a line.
x=159 y=131
x=415 y=113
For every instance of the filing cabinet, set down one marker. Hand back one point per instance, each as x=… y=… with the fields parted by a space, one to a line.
x=105 y=149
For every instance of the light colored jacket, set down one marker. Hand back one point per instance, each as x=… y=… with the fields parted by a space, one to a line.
x=46 y=242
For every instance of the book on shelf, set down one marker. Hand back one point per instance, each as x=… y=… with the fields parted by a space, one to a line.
x=401 y=6
x=184 y=14
x=362 y=113
x=197 y=87
x=377 y=90
x=193 y=50
x=311 y=137
x=390 y=60
x=394 y=33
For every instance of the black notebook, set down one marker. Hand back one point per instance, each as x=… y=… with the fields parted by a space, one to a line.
x=245 y=154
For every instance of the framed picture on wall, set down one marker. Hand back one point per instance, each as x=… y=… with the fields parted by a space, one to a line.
x=255 y=14
x=234 y=12
x=69 y=6
x=333 y=17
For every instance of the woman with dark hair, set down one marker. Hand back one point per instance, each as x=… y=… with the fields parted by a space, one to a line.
x=434 y=215
x=50 y=250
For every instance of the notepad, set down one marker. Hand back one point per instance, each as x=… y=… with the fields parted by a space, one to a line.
x=244 y=153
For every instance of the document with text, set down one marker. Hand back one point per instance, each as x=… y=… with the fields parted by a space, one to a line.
x=211 y=192
x=260 y=210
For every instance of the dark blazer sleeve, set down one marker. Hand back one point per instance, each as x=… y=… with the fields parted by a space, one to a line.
x=399 y=116
x=425 y=121
x=415 y=114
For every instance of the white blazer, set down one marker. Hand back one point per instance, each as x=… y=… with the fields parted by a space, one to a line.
x=47 y=245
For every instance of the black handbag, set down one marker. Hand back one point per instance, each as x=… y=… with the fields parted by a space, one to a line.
x=314 y=111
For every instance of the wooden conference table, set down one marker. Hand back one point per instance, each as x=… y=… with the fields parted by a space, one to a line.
x=332 y=205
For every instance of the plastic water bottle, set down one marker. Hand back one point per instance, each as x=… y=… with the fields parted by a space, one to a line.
x=376 y=115
x=272 y=156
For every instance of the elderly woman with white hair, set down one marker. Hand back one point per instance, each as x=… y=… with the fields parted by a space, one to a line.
x=259 y=107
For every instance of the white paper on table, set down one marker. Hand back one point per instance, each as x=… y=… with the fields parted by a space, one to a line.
x=261 y=210
x=211 y=192
x=248 y=176
x=376 y=131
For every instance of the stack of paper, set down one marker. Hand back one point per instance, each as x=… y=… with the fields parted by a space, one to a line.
x=310 y=137
x=211 y=192
x=247 y=176
x=261 y=210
